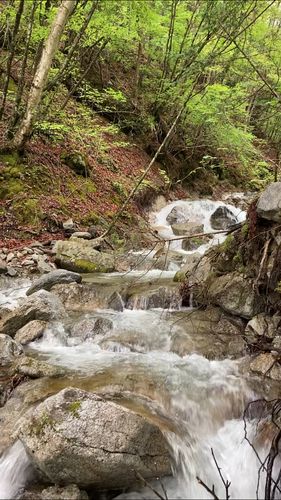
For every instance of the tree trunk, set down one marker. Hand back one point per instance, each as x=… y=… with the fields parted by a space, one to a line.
x=16 y=113
x=73 y=47
x=40 y=78
x=11 y=56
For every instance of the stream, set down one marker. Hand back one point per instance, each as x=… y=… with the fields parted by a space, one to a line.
x=197 y=401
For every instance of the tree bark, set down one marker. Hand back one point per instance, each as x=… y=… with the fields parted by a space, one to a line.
x=40 y=78
x=74 y=45
x=11 y=56
x=15 y=115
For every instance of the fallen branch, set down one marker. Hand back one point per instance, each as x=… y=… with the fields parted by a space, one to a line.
x=264 y=255
x=201 y=235
x=138 y=476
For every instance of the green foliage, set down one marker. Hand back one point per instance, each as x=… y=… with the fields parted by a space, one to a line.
x=74 y=407
x=119 y=188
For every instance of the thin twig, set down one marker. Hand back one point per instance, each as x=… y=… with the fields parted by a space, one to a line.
x=138 y=476
x=226 y=483
x=211 y=491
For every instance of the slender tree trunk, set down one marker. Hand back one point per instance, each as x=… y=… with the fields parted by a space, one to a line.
x=73 y=47
x=17 y=103
x=11 y=56
x=84 y=74
x=137 y=74
x=64 y=11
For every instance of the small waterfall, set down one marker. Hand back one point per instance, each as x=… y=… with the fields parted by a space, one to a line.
x=15 y=471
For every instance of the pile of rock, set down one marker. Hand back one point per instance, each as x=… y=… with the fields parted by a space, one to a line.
x=34 y=258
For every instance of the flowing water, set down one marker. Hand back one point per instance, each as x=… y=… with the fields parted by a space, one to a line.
x=197 y=402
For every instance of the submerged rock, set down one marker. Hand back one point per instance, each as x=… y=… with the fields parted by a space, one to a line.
x=81 y=256
x=55 y=277
x=269 y=204
x=9 y=349
x=222 y=218
x=70 y=492
x=33 y=330
x=77 y=437
x=35 y=369
x=42 y=306
x=163 y=297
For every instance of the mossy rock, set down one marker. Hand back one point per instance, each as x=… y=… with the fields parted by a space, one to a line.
x=28 y=211
x=179 y=277
x=192 y=243
x=77 y=161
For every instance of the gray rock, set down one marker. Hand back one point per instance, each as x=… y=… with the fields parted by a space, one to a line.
x=222 y=218
x=235 y=295
x=9 y=349
x=68 y=224
x=88 y=328
x=164 y=258
x=266 y=365
x=262 y=326
x=45 y=267
x=80 y=297
x=77 y=437
x=187 y=228
x=115 y=302
x=191 y=260
x=3 y=267
x=33 y=330
x=78 y=162
x=70 y=492
x=27 y=262
x=10 y=257
x=42 y=306
x=190 y=244
x=176 y=216
x=93 y=231
x=269 y=204
x=11 y=271
x=163 y=297
x=35 y=369
x=55 y=277
x=81 y=234
x=79 y=255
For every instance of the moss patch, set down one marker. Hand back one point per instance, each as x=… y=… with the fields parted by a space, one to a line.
x=179 y=277
x=74 y=407
x=89 y=267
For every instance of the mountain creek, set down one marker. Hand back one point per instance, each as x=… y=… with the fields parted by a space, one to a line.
x=107 y=373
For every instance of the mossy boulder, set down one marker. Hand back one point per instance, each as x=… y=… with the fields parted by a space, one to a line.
x=192 y=243
x=77 y=161
x=80 y=256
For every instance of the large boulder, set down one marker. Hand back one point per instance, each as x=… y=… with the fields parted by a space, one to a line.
x=78 y=437
x=187 y=228
x=222 y=218
x=31 y=331
x=267 y=364
x=81 y=256
x=77 y=161
x=54 y=278
x=269 y=204
x=9 y=350
x=83 y=297
x=42 y=306
x=234 y=293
